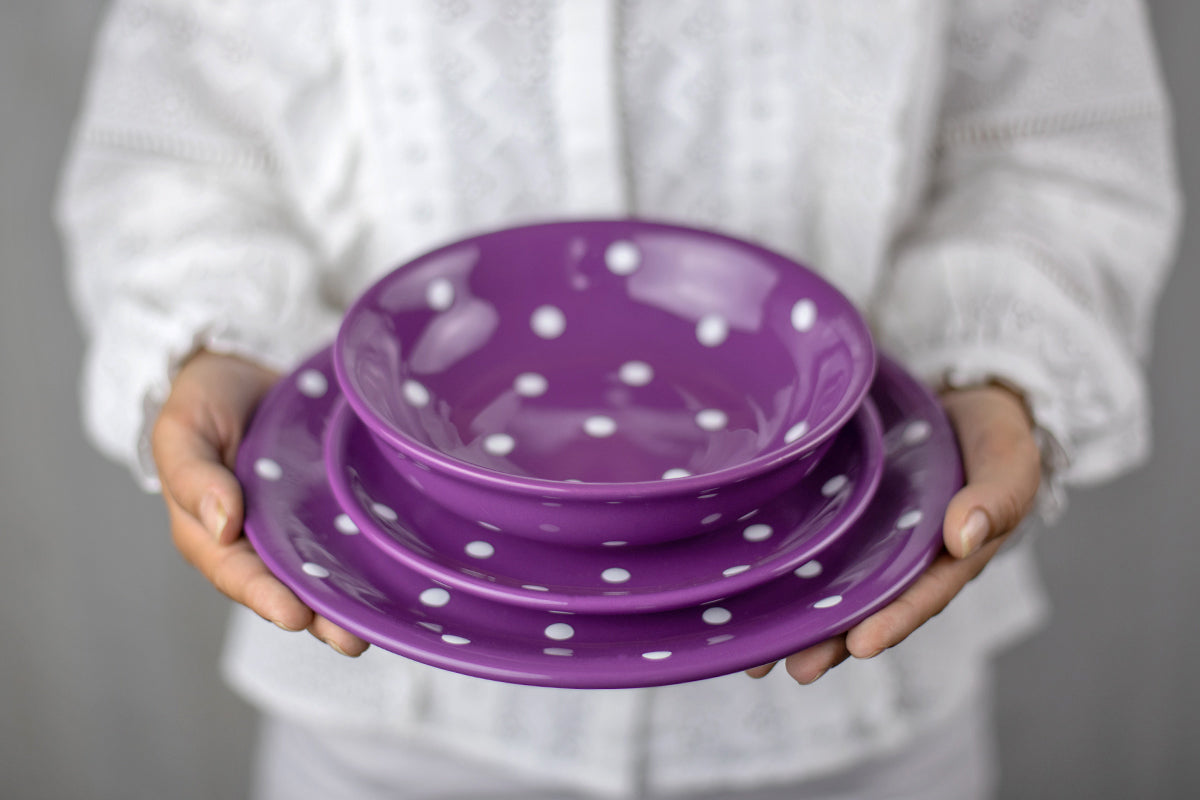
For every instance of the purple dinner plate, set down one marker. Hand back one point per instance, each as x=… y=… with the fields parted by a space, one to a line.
x=728 y=557
x=303 y=535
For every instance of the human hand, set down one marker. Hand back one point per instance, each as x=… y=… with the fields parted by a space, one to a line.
x=195 y=442
x=1003 y=471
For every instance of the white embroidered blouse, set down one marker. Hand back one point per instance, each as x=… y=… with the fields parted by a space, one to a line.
x=992 y=181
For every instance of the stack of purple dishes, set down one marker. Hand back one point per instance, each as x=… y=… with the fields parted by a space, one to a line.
x=598 y=454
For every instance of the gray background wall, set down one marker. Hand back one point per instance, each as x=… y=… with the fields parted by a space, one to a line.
x=108 y=640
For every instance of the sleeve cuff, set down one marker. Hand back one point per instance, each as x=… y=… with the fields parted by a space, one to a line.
x=966 y=314
x=129 y=373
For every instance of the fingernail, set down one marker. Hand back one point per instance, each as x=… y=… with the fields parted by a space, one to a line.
x=974 y=531
x=816 y=677
x=337 y=648
x=213 y=515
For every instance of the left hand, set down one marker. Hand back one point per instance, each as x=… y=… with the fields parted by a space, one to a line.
x=1003 y=470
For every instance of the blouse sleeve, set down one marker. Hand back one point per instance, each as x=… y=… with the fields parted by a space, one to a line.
x=1049 y=224
x=189 y=197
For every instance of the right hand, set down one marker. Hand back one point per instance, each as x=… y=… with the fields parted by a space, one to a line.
x=195 y=442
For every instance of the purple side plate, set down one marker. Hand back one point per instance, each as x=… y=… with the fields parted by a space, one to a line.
x=725 y=558
x=303 y=536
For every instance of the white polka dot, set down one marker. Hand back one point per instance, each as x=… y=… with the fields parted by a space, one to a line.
x=312 y=383
x=439 y=294
x=384 y=512
x=747 y=515
x=636 y=373
x=549 y=527
x=479 y=549
x=834 y=485
x=708 y=496
x=757 y=533
x=909 y=519
x=810 y=570
x=712 y=330
x=268 y=470
x=533 y=587
x=675 y=472
x=828 y=602
x=916 y=432
x=721 y=639
x=548 y=322
x=435 y=597
x=795 y=432
x=499 y=444
x=716 y=615
x=345 y=525
x=615 y=575
x=622 y=258
x=433 y=626
x=531 y=384
x=738 y=570
x=657 y=655
x=551 y=504
x=600 y=426
x=489 y=526
x=559 y=651
x=452 y=639
x=316 y=570
x=416 y=394
x=559 y=631
x=710 y=519
x=712 y=419
x=615 y=544
x=804 y=315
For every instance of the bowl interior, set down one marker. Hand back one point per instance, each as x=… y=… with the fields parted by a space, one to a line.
x=603 y=352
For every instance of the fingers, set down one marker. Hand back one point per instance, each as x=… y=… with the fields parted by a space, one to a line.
x=761 y=671
x=196 y=436
x=1002 y=465
x=194 y=477
x=195 y=442
x=340 y=640
x=1003 y=470
x=810 y=664
x=236 y=570
x=922 y=601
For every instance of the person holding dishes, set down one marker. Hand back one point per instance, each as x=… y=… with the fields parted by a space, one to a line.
x=992 y=183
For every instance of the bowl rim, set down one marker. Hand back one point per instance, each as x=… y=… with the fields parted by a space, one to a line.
x=552 y=489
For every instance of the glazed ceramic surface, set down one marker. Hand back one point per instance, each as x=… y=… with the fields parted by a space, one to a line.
x=602 y=363
x=727 y=557
x=306 y=539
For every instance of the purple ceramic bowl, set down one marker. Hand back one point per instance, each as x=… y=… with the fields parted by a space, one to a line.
x=599 y=381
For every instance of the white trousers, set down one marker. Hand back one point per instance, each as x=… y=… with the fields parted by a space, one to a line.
x=952 y=761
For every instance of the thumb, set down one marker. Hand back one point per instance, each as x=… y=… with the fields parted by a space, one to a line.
x=1002 y=466
x=194 y=476
x=196 y=436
